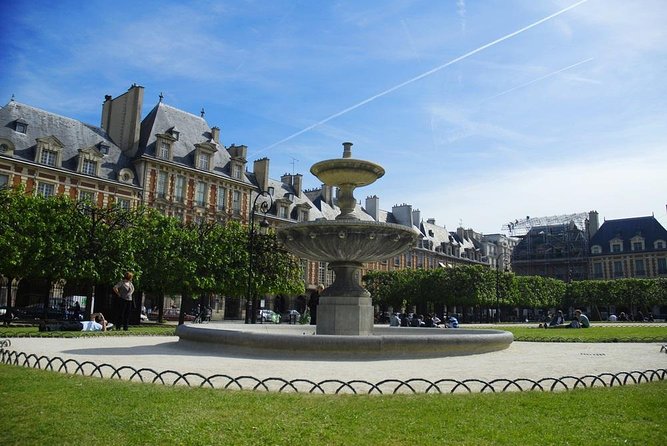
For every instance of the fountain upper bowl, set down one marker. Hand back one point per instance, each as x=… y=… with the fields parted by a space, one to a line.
x=340 y=171
x=349 y=241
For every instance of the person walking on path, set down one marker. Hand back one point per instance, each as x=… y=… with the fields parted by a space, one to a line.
x=124 y=290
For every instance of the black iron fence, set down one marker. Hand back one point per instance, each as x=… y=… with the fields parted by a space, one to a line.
x=329 y=386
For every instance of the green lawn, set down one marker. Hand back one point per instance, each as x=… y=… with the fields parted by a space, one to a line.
x=141 y=330
x=40 y=407
x=600 y=333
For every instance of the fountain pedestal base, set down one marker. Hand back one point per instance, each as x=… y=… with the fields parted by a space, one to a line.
x=347 y=316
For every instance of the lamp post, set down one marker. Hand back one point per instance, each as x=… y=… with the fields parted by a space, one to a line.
x=251 y=299
x=505 y=269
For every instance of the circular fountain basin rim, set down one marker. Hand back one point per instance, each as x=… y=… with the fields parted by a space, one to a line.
x=386 y=342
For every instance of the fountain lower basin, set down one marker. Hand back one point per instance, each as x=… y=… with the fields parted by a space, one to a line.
x=299 y=341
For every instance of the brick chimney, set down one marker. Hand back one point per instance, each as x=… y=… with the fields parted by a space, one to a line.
x=121 y=118
x=261 y=170
x=373 y=207
x=215 y=134
x=297 y=183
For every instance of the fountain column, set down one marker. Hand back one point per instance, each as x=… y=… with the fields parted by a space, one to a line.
x=345 y=307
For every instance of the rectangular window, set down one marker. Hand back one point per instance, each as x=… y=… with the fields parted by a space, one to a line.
x=618 y=269
x=179 y=191
x=45 y=189
x=236 y=202
x=162 y=185
x=123 y=203
x=200 y=193
x=662 y=265
x=222 y=198
x=164 y=151
x=89 y=167
x=48 y=157
x=86 y=195
x=597 y=270
x=616 y=247
x=303 y=216
x=639 y=267
x=21 y=127
x=204 y=161
x=4 y=181
x=236 y=171
x=637 y=246
x=282 y=211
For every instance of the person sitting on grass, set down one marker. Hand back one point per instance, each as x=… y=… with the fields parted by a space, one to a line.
x=555 y=321
x=97 y=322
x=580 y=321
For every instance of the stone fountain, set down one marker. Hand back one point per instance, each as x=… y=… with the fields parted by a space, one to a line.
x=345 y=312
x=347 y=242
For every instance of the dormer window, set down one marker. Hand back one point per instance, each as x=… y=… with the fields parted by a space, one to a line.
x=637 y=243
x=271 y=190
x=48 y=157
x=204 y=155
x=49 y=151
x=204 y=161
x=616 y=245
x=89 y=161
x=596 y=249
x=236 y=171
x=20 y=126
x=659 y=244
x=164 y=150
x=103 y=148
x=89 y=167
x=174 y=133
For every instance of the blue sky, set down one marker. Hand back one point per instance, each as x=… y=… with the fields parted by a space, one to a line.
x=481 y=112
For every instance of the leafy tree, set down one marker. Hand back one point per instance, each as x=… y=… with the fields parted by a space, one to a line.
x=159 y=241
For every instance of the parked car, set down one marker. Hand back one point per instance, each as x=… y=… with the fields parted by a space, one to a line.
x=169 y=314
x=268 y=316
x=291 y=317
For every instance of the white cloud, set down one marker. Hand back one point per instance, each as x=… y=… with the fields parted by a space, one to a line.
x=632 y=185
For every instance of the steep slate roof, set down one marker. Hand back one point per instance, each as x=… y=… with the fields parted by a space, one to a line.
x=331 y=212
x=281 y=191
x=73 y=134
x=626 y=228
x=192 y=130
x=434 y=233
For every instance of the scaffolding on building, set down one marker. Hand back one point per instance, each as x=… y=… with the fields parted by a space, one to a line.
x=521 y=227
x=555 y=246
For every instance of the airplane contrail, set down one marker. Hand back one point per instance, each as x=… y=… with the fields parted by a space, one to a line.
x=539 y=79
x=425 y=74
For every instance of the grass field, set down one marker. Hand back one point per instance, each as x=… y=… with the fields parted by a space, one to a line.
x=599 y=333
x=40 y=407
